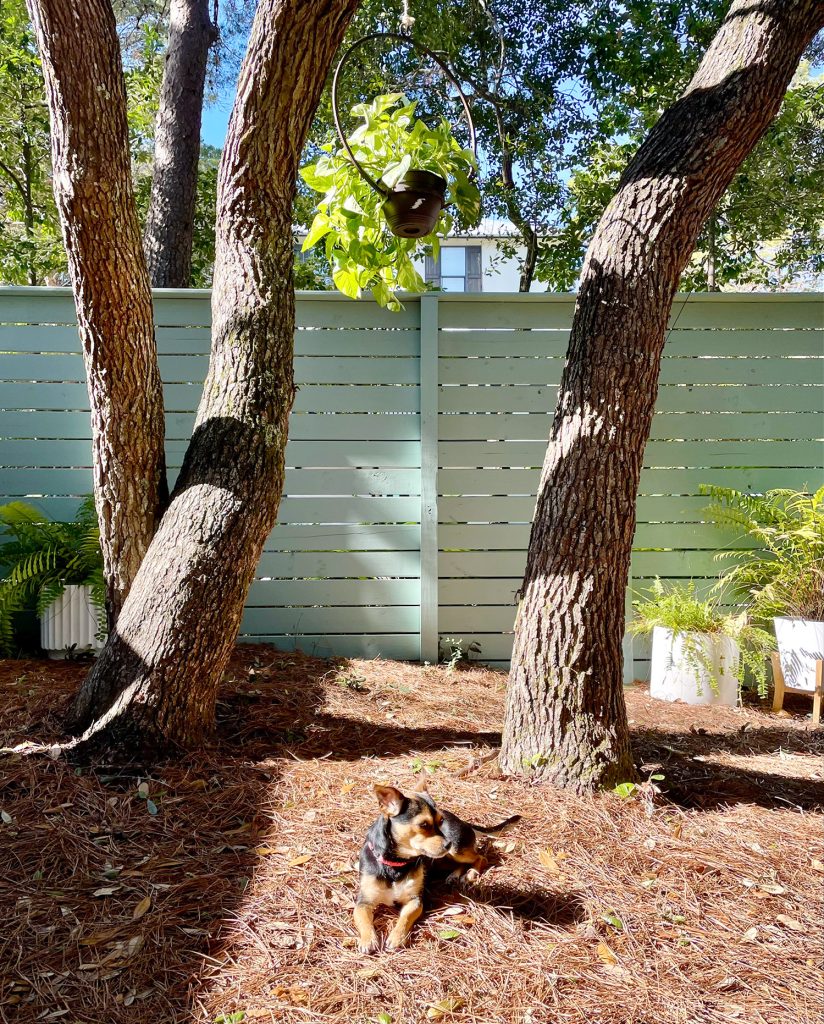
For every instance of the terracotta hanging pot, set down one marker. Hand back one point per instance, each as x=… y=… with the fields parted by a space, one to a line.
x=414 y=204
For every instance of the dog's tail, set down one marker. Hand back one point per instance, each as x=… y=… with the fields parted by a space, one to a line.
x=500 y=827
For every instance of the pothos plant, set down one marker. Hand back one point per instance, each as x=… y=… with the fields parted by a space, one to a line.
x=362 y=251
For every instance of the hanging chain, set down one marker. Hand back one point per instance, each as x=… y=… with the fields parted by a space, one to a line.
x=407 y=21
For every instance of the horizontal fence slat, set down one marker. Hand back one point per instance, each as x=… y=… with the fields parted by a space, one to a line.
x=354 y=509
x=398 y=646
x=661 y=454
x=689 y=426
x=339 y=564
x=653 y=481
x=336 y=593
x=397 y=619
x=741 y=398
x=537 y=342
x=706 y=370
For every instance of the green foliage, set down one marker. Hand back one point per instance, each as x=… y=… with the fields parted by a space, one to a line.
x=40 y=558
x=784 y=576
x=360 y=248
x=679 y=609
x=452 y=651
x=31 y=249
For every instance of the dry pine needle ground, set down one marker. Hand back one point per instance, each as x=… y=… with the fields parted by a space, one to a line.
x=221 y=887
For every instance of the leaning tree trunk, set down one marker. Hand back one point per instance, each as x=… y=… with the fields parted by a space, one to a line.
x=565 y=716
x=171 y=218
x=86 y=95
x=153 y=687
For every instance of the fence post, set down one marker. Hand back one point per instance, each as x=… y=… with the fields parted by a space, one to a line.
x=429 y=477
x=629 y=659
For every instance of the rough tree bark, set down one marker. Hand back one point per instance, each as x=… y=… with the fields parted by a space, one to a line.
x=86 y=94
x=153 y=686
x=565 y=717
x=170 y=221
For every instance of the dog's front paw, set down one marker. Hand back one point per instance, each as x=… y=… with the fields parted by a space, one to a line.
x=396 y=940
x=369 y=944
x=454 y=877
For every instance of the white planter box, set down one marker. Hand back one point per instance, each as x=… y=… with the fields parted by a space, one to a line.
x=800 y=645
x=72 y=621
x=696 y=668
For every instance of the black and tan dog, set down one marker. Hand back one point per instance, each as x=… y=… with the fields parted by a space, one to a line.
x=409 y=834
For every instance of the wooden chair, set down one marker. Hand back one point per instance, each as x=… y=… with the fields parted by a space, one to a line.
x=781 y=688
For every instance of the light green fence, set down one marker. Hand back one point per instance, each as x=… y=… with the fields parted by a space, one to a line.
x=416 y=444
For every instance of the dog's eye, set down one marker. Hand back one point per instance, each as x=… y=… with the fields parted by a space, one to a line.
x=426 y=826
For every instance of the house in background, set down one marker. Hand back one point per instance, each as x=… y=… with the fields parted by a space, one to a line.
x=473 y=262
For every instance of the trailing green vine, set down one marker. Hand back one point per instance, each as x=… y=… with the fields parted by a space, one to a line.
x=362 y=251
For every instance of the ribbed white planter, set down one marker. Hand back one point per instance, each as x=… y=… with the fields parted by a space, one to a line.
x=72 y=621
x=696 y=668
x=800 y=645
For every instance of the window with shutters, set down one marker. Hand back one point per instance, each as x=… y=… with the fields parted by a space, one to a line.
x=457 y=269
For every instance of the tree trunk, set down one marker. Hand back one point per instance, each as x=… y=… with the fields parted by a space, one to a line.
x=86 y=95
x=153 y=687
x=565 y=717
x=171 y=217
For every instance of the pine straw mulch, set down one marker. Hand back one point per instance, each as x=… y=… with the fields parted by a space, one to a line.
x=235 y=897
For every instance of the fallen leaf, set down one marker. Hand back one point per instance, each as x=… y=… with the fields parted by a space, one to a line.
x=452 y=911
x=347 y=787
x=151 y=807
x=141 y=908
x=606 y=954
x=448 y=1005
x=549 y=861
x=790 y=922
x=368 y=972
x=750 y=935
x=449 y=933
x=106 y=890
x=300 y=860
x=6 y=817
x=143 y=790
x=817 y=865
x=773 y=888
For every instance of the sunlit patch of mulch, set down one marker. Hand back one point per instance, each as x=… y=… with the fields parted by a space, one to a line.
x=223 y=884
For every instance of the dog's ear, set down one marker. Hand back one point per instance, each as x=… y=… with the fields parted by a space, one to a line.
x=422 y=787
x=390 y=800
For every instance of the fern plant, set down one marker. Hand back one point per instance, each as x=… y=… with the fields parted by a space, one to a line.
x=678 y=608
x=40 y=558
x=784 y=576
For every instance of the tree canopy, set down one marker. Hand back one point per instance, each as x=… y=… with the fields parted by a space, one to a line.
x=562 y=94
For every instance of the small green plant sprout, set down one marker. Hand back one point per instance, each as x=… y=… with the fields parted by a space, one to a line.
x=453 y=653
x=678 y=608
x=350 y=221
x=784 y=575
x=419 y=766
x=40 y=558
x=536 y=761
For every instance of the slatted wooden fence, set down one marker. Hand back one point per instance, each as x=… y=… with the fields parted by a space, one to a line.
x=416 y=444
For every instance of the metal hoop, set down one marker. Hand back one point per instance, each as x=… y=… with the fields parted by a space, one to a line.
x=406 y=41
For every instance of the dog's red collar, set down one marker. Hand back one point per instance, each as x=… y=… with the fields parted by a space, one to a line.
x=387 y=863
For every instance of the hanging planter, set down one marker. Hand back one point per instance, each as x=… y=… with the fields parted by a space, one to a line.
x=413 y=206
x=390 y=188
